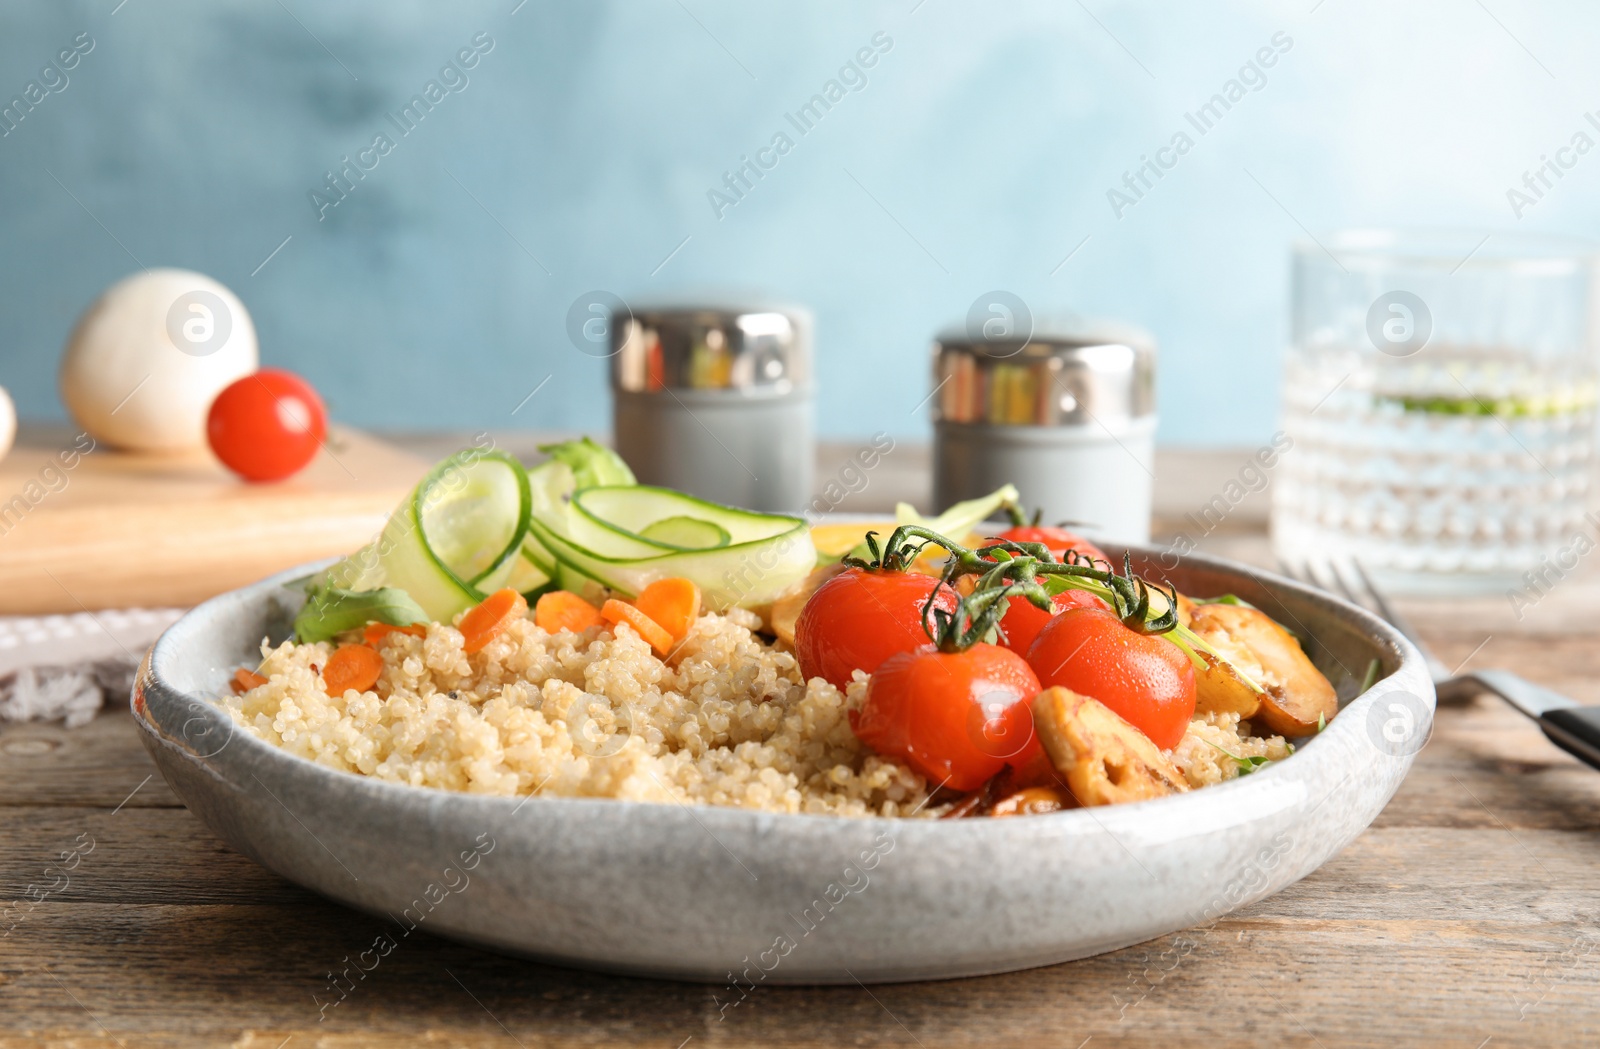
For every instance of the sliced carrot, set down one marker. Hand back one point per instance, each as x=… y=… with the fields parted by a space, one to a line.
x=614 y=611
x=485 y=620
x=376 y=632
x=673 y=603
x=351 y=666
x=245 y=680
x=564 y=610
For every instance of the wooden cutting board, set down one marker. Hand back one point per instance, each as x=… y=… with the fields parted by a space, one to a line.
x=119 y=529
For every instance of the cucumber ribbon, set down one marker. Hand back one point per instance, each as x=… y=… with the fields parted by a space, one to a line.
x=479 y=522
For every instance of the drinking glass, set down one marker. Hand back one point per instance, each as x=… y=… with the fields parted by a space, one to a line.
x=1439 y=391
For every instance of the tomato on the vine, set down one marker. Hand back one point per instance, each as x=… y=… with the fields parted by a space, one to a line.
x=1145 y=678
x=1023 y=619
x=957 y=718
x=267 y=426
x=1057 y=540
x=860 y=618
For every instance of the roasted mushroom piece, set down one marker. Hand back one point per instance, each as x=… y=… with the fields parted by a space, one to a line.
x=1297 y=696
x=1104 y=759
x=785 y=611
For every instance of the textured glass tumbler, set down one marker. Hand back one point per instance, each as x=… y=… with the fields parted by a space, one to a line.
x=1439 y=390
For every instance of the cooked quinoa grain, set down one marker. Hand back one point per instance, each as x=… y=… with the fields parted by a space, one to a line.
x=1207 y=750
x=725 y=720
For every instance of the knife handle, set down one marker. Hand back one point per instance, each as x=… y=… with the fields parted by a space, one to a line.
x=1575 y=730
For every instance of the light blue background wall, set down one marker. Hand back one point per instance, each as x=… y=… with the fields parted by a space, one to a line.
x=977 y=157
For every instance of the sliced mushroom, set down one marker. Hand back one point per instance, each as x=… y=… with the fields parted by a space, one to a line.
x=785 y=611
x=1297 y=696
x=1104 y=759
x=1032 y=801
x=1294 y=714
x=1219 y=689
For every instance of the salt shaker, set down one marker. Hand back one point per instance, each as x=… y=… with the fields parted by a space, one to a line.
x=1068 y=417
x=716 y=402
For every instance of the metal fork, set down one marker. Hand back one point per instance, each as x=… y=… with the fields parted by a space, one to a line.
x=1573 y=728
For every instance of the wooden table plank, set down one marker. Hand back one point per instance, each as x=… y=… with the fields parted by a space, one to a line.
x=149 y=855
x=89 y=767
x=1293 y=981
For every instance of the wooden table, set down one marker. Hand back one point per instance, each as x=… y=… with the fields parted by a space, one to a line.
x=1468 y=915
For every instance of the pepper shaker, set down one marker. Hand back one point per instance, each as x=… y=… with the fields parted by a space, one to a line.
x=1068 y=417
x=716 y=402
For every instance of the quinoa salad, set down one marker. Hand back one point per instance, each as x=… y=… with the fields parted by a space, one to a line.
x=565 y=632
x=725 y=721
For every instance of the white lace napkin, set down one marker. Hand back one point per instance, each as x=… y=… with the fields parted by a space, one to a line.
x=63 y=668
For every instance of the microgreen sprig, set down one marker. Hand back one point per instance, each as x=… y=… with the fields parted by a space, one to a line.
x=1254 y=763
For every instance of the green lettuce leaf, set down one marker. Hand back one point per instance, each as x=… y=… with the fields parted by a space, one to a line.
x=331 y=610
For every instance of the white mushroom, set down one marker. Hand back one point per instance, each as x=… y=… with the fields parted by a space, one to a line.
x=8 y=422
x=150 y=355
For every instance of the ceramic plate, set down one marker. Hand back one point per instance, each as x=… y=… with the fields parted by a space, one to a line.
x=729 y=896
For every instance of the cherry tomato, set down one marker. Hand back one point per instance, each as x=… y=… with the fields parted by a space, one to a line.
x=957 y=718
x=1143 y=677
x=860 y=618
x=1023 y=619
x=1036 y=770
x=1057 y=540
x=267 y=426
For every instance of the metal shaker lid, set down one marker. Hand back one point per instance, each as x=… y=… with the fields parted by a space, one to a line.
x=1067 y=375
x=748 y=349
